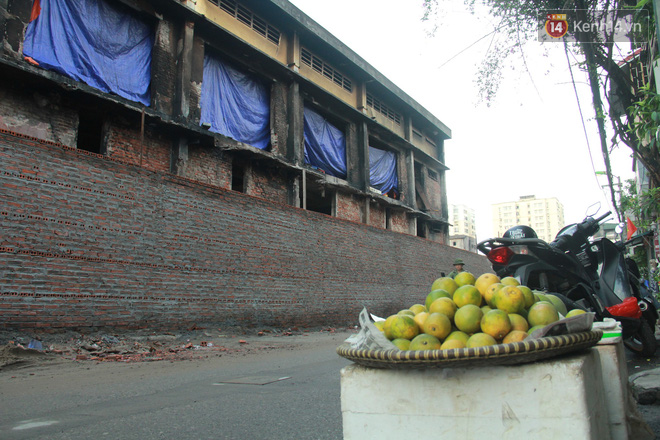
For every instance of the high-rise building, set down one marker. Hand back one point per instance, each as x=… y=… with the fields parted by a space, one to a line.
x=462 y=228
x=545 y=216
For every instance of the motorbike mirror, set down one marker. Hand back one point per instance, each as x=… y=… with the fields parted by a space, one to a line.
x=593 y=210
x=618 y=228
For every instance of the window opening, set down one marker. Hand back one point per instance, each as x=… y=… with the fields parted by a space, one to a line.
x=90 y=132
x=383 y=109
x=319 y=199
x=238 y=176
x=325 y=69
x=421 y=229
x=249 y=19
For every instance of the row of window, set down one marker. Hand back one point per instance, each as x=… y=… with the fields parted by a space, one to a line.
x=232 y=103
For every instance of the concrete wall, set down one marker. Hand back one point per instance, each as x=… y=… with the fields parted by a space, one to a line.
x=89 y=241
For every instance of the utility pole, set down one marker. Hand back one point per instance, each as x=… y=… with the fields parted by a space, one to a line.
x=656 y=64
x=592 y=71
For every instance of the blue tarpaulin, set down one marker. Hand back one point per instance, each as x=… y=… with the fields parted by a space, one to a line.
x=382 y=170
x=234 y=104
x=94 y=42
x=325 y=144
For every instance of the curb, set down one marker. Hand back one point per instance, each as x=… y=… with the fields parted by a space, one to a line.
x=646 y=387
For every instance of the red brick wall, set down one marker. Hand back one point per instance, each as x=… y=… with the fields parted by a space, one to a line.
x=377 y=215
x=399 y=221
x=349 y=207
x=151 y=152
x=207 y=165
x=38 y=115
x=267 y=182
x=91 y=241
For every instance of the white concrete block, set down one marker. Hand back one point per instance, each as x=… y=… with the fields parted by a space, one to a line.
x=615 y=385
x=552 y=399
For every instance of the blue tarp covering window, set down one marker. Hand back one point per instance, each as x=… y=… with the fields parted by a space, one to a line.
x=382 y=170
x=100 y=44
x=234 y=104
x=325 y=144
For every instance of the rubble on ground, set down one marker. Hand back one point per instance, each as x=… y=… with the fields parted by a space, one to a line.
x=18 y=347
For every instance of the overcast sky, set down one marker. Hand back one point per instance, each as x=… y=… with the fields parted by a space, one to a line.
x=530 y=141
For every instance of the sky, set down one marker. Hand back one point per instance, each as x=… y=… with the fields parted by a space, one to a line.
x=530 y=140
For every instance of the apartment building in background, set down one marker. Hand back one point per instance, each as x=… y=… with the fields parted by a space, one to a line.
x=545 y=216
x=462 y=228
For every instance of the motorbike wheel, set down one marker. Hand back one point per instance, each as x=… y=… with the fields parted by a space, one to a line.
x=643 y=342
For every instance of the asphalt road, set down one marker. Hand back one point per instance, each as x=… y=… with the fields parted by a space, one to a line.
x=288 y=391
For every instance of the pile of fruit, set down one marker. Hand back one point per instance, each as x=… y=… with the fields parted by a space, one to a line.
x=472 y=312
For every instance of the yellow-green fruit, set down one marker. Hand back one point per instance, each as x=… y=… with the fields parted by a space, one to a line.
x=401 y=344
x=542 y=313
x=510 y=281
x=510 y=299
x=418 y=308
x=404 y=327
x=425 y=342
x=490 y=292
x=445 y=283
x=557 y=302
x=468 y=318
x=533 y=329
x=496 y=323
x=435 y=294
x=575 y=312
x=514 y=336
x=452 y=343
x=379 y=325
x=480 y=340
x=518 y=322
x=459 y=335
x=484 y=281
x=387 y=327
x=464 y=278
x=445 y=306
x=438 y=325
x=528 y=295
x=467 y=295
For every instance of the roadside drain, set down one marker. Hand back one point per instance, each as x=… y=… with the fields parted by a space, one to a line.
x=253 y=380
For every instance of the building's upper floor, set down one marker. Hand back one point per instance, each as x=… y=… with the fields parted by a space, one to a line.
x=321 y=110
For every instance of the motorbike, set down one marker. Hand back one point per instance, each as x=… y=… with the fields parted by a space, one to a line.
x=586 y=273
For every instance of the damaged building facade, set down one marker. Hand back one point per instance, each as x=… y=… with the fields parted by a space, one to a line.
x=168 y=163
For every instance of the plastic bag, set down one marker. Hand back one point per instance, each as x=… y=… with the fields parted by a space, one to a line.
x=628 y=309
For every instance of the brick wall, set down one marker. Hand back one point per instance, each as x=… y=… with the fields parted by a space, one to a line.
x=349 y=207
x=92 y=241
x=377 y=215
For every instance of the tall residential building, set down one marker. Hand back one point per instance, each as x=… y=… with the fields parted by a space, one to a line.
x=545 y=216
x=462 y=228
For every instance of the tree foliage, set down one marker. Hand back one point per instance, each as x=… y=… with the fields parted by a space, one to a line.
x=519 y=23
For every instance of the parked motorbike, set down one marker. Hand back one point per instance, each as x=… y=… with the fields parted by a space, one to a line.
x=586 y=273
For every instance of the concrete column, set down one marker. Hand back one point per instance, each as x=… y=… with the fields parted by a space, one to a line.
x=295 y=144
x=361 y=175
x=410 y=183
x=293 y=52
x=179 y=156
x=184 y=71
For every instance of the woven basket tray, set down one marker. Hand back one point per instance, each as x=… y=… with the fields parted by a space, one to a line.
x=503 y=354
